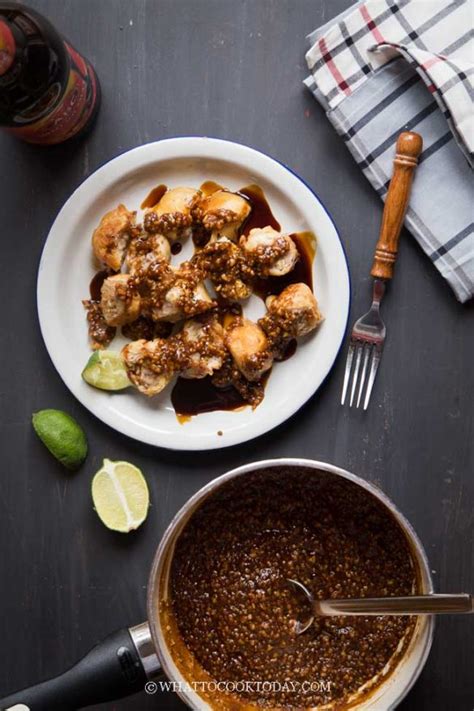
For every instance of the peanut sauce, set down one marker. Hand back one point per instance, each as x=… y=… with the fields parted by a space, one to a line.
x=231 y=614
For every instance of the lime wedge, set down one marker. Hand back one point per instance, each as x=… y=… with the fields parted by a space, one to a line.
x=106 y=370
x=61 y=434
x=120 y=495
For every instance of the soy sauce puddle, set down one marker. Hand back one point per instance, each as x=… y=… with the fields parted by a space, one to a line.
x=193 y=397
x=97 y=280
x=261 y=214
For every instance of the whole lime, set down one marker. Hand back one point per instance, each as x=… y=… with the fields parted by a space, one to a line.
x=61 y=434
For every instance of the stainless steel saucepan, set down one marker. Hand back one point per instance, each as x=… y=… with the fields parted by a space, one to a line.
x=130 y=658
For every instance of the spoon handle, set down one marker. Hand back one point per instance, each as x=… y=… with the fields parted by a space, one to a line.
x=411 y=605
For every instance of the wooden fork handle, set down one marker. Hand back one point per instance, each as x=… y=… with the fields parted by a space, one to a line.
x=409 y=147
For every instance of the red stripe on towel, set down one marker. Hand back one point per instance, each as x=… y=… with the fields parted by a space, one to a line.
x=327 y=58
x=371 y=24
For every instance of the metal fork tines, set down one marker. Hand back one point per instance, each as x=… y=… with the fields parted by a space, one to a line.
x=368 y=334
x=365 y=348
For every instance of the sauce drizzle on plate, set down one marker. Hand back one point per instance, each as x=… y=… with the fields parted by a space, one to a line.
x=154 y=196
x=261 y=214
x=193 y=397
x=97 y=280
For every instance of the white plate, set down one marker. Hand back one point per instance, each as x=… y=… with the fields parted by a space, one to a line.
x=67 y=267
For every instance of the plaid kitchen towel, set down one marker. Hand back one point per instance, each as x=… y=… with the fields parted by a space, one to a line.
x=385 y=66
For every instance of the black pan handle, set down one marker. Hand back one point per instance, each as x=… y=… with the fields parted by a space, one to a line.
x=111 y=670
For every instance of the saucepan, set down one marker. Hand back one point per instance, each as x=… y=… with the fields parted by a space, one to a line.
x=134 y=659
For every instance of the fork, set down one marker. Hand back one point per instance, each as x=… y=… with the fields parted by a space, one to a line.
x=368 y=333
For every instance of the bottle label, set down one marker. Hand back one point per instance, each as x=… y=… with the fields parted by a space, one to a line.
x=72 y=112
x=7 y=48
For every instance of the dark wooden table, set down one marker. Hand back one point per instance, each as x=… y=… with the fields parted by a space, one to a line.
x=231 y=69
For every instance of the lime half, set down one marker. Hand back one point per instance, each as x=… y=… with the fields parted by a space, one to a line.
x=62 y=435
x=120 y=495
x=106 y=370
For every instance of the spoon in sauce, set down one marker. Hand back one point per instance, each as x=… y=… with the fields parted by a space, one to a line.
x=408 y=605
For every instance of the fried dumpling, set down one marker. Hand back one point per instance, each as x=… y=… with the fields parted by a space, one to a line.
x=186 y=297
x=148 y=365
x=110 y=239
x=292 y=313
x=222 y=213
x=248 y=346
x=269 y=252
x=203 y=343
x=120 y=304
x=172 y=216
x=224 y=264
x=145 y=250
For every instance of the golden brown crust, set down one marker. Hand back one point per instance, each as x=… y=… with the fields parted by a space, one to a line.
x=111 y=237
x=248 y=346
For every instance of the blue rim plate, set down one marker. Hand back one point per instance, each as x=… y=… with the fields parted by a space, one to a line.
x=67 y=267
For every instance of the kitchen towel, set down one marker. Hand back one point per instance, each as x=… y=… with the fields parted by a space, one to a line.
x=385 y=66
